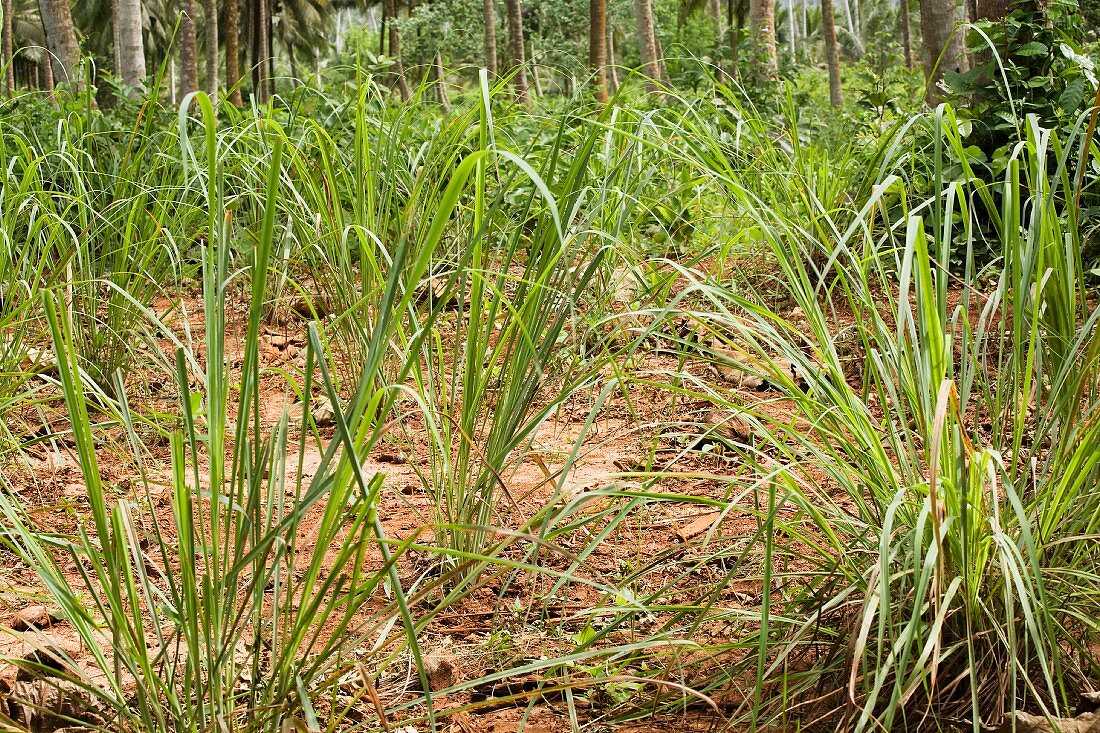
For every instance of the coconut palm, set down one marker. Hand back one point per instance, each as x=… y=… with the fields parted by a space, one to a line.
x=299 y=28
x=57 y=20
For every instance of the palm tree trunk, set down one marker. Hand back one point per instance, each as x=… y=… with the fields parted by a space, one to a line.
x=792 y=30
x=832 y=51
x=7 y=47
x=516 y=49
x=57 y=21
x=662 y=69
x=382 y=32
x=906 y=34
x=848 y=16
x=131 y=49
x=210 y=33
x=46 y=69
x=441 y=82
x=116 y=37
x=762 y=37
x=232 y=52
x=395 y=51
x=189 y=61
x=597 y=46
x=940 y=48
x=489 y=18
x=647 y=43
x=260 y=34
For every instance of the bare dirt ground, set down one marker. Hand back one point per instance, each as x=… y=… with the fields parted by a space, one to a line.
x=494 y=625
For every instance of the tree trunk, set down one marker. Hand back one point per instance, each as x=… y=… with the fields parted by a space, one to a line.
x=382 y=32
x=597 y=46
x=762 y=36
x=189 y=61
x=997 y=9
x=210 y=33
x=57 y=21
x=906 y=34
x=232 y=52
x=7 y=48
x=515 y=48
x=489 y=18
x=441 y=83
x=662 y=70
x=792 y=30
x=259 y=23
x=832 y=51
x=802 y=13
x=395 y=51
x=647 y=43
x=942 y=49
x=733 y=34
x=47 y=75
x=116 y=37
x=848 y=16
x=131 y=49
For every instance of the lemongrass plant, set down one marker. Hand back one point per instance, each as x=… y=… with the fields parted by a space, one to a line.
x=931 y=559
x=234 y=612
x=226 y=589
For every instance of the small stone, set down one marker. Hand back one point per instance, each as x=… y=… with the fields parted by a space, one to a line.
x=697 y=526
x=51 y=706
x=46 y=661
x=730 y=425
x=322 y=413
x=32 y=617
x=1088 y=702
x=55 y=460
x=441 y=668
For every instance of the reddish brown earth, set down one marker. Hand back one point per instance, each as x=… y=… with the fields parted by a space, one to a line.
x=47 y=480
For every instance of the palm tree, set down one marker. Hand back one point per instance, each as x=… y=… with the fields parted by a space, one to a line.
x=259 y=35
x=942 y=48
x=210 y=34
x=906 y=33
x=300 y=31
x=762 y=40
x=28 y=66
x=7 y=46
x=597 y=46
x=57 y=21
x=131 y=44
x=395 y=50
x=832 y=51
x=232 y=52
x=516 y=49
x=489 y=18
x=647 y=43
x=189 y=61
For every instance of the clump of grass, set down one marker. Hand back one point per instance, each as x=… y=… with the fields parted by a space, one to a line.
x=933 y=512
